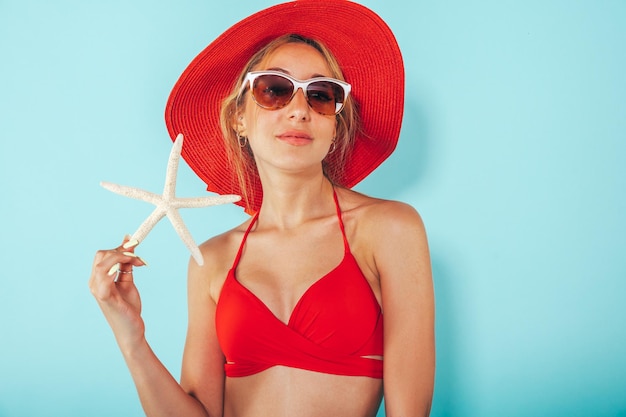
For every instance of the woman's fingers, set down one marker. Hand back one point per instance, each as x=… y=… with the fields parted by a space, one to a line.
x=112 y=266
x=125 y=270
x=129 y=243
x=128 y=249
x=109 y=262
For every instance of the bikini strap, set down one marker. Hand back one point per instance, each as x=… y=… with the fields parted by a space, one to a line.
x=243 y=240
x=343 y=230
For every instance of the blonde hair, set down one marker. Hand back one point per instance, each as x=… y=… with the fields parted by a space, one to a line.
x=242 y=159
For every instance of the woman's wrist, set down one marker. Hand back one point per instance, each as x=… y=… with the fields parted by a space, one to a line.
x=134 y=349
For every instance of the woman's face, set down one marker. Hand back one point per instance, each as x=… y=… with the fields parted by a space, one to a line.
x=293 y=139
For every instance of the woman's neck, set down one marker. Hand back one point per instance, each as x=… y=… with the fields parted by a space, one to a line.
x=289 y=202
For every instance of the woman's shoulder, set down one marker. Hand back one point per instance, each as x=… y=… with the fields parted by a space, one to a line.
x=218 y=254
x=377 y=214
x=219 y=246
x=381 y=232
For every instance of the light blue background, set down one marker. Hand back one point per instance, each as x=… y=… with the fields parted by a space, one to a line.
x=512 y=149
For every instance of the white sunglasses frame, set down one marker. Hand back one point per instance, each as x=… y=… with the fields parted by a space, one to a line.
x=298 y=85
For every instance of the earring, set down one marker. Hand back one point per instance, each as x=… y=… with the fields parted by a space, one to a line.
x=243 y=140
x=333 y=146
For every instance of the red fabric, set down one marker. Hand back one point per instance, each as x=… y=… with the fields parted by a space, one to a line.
x=335 y=323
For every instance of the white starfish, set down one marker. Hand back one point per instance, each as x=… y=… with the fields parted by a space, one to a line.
x=168 y=204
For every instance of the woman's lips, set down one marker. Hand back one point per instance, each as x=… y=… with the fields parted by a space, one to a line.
x=295 y=138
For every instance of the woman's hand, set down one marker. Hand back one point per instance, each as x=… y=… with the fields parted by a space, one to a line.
x=111 y=283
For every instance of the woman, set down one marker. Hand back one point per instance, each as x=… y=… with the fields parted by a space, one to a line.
x=301 y=310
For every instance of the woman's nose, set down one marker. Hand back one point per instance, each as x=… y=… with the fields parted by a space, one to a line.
x=299 y=107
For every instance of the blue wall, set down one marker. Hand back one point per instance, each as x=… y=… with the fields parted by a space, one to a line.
x=512 y=149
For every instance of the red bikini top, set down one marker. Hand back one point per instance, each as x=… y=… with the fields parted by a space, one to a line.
x=336 y=323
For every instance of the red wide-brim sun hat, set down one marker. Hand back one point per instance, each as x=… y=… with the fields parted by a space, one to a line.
x=368 y=55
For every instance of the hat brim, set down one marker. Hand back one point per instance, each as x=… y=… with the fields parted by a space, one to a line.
x=368 y=55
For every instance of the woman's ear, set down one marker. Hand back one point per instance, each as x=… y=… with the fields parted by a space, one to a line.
x=239 y=126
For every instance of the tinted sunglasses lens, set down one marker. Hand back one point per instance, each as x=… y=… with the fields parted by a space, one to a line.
x=325 y=97
x=272 y=91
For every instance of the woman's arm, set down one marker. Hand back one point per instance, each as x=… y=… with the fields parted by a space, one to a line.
x=160 y=394
x=403 y=263
x=202 y=373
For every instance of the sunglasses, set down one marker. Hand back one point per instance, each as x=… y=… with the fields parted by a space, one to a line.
x=272 y=90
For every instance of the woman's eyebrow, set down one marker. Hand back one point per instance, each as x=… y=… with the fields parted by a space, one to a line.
x=289 y=73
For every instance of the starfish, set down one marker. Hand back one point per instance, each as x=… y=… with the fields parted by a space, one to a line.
x=167 y=204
